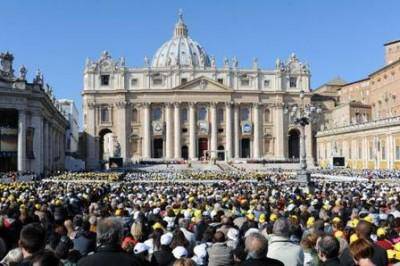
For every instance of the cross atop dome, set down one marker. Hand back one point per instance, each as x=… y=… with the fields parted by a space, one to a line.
x=180 y=27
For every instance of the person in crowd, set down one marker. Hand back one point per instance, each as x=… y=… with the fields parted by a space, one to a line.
x=85 y=240
x=163 y=256
x=32 y=242
x=362 y=251
x=109 y=251
x=281 y=247
x=364 y=230
x=219 y=254
x=257 y=249
x=328 y=250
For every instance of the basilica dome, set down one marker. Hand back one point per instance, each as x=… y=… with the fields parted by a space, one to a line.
x=181 y=50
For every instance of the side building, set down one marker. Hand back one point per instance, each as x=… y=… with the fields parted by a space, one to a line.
x=32 y=127
x=364 y=125
x=72 y=162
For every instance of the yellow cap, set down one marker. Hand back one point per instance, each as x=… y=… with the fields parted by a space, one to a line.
x=273 y=217
x=261 y=219
x=250 y=216
x=118 y=212
x=353 y=238
x=368 y=218
x=157 y=226
x=336 y=220
x=339 y=234
x=397 y=246
x=353 y=223
x=391 y=253
x=381 y=231
x=310 y=221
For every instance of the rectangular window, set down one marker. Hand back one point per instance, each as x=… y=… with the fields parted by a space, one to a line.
x=183 y=81
x=383 y=151
x=220 y=130
x=184 y=130
x=157 y=81
x=359 y=150
x=397 y=153
x=244 y=82
x=105 y=80
x=134 y=82
x=220 y=80
x=371 y=150
x=292 y=82
x=267 y=83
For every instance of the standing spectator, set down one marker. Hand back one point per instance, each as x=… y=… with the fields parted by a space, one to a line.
x=257 y=249
x=362 y=251
x=328 y=251
x=109 y=251
x=364 y=230
x=32 y=241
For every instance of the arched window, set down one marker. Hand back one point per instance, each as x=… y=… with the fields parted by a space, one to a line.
x=267 y=116
x=105 y=114
x=220 y=115
x=156 y=114
x=244 y=114
x=135 y=116
x=202 y=114
x=184 y=115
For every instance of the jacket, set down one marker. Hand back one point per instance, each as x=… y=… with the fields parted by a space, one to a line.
x=108 y=255
x=261 y=262
x=162 y=258
x=332 y=262
x=85 y=242
x=282 y=249
x=219 y=254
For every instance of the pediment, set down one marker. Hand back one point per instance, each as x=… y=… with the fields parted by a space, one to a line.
x=202 y=84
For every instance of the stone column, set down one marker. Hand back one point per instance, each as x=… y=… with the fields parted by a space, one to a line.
x=228 y=129
x=236 y=135
x=192 y=131
x=256 y=132
x=21 y=140
x=92 y=143
x=169 y=146
x=122 y=129
x=38 y=143
x=280 y=132
x=146 y=131
x=214 y=129
x=309 y=143
x=51 y=147
x=45 y=142
x=391 y=150
x=177 y=131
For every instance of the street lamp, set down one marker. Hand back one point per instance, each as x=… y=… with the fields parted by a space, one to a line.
x=302 y=115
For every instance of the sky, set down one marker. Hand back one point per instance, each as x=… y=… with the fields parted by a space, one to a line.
x=336 y=37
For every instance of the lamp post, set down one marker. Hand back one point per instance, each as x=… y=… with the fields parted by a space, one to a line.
x=302 y=115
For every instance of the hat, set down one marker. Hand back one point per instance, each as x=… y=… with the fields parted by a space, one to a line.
x=380 y=232
x=336 y=220
x=166 y=239
x=140 y=247
x=250 y=216
x=233 y=234
x=310 y=221
x=273 y=217
x=179 y=252
x=261 y=218
x=157 y=226
x=291 y=207
x=339 y=234
x=200 y=251
x=353 y=238
x=251 y=231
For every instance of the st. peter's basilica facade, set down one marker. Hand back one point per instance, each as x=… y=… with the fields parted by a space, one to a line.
x=181 y=105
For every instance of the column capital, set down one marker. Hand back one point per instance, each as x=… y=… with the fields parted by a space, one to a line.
x=177 y=104
x=168 y=104
x=279 y=105
x=145 y=104
x=255 y=105
x=121 y=104
x=213 y=104
x=192 y=104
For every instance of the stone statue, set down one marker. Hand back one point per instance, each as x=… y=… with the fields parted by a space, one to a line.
x=22 y=73
x=105 y=55
x=213 y=65
x=38 y=77
x=255 y=63
x=235 y=62
x=122 y=61
x=146 y=61
x=226 y=62
x=277 y=63
x=117 y=149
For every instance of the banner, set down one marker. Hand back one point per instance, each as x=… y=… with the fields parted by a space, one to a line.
x=8 y=139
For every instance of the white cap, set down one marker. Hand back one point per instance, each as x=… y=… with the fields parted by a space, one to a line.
x=233 y=234
x=291 y=207
x=179 y=252
x=156 y=211
x=140 y=247
x=251 y=231
x=166 y=239
x=200 y=251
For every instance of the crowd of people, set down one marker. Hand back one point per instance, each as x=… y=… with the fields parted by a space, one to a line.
x=269 y=222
